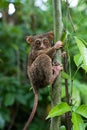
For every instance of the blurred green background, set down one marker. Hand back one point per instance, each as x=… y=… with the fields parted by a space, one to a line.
x=19 y=18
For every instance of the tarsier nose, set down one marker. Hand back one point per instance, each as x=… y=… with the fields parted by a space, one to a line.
x=42 y=46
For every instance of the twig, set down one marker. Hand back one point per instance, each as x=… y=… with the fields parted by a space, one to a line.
x=71 y=80
x=68 y=116
x=13 y=118
x=67 y=5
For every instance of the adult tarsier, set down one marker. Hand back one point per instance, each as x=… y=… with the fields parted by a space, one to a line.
x=41 y=70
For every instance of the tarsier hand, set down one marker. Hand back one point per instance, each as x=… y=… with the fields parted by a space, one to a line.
x=58 y=45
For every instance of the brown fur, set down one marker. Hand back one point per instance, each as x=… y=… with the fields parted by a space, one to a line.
x=41 y=71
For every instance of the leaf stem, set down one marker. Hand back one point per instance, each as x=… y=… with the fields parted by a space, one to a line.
x=76 y=72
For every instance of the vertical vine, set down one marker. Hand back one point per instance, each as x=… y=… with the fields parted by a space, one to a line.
x=56 y=87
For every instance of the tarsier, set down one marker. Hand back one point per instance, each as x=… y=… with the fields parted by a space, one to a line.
x=41 y=69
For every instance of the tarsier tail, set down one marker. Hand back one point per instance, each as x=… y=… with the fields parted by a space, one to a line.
x=32 y=113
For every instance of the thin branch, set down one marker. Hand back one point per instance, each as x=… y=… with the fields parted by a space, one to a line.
x=18 y=64
x=70 y=73
x=13 y=118
x=70 y=18
x=76 y=72
x=68 y=115
x=66 y=81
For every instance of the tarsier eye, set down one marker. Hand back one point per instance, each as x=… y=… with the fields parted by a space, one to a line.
x=38 y=42
x=45 y=41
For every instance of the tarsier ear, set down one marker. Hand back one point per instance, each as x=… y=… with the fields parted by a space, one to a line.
x=29 y=39
x=51 y=35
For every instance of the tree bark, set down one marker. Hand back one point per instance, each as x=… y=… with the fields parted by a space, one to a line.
x=56 y=87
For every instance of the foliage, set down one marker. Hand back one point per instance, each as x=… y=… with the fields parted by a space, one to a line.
x=75 y=108
x=83 y=54
x=76 y=114
x=59 y=110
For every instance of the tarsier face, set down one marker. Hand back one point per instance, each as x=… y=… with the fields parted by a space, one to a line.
x=40 y=42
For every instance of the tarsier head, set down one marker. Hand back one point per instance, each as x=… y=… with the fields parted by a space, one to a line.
x=40 y=42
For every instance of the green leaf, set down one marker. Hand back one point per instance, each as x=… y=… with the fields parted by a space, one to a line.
x=65 y=75
x=63 y=92
x=76 y=98
x=82 y=110
x=59 y=110
x=2 y=122
x=6 y=115
x=83 y=51
x=63 y=128
x=78 y=59
x=64 y=36
x=85 y=125
x=15 y=46
x=9 y=99
x=21 y=98
x=82 y=88
x=77 y=121
x=1 y=61
x=84 y=42
x=84 y=67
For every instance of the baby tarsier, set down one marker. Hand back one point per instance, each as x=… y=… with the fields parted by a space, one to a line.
x=41 y=69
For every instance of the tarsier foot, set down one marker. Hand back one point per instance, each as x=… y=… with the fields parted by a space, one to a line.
x=57 y=69
x=64 y=54
x=55 y=63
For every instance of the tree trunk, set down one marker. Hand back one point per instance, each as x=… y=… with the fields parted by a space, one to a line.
x=56 y=87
